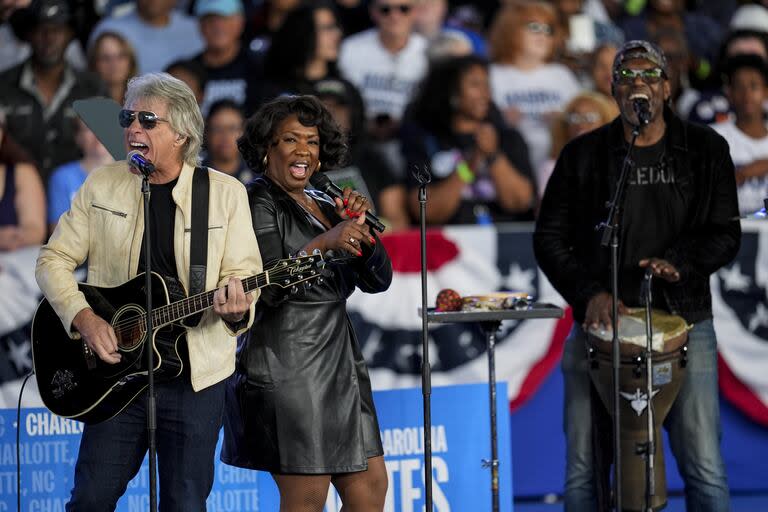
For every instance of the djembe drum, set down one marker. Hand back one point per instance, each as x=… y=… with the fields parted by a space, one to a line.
x=669 y=339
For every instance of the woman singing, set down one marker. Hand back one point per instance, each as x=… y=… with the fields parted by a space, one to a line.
x=300 y=403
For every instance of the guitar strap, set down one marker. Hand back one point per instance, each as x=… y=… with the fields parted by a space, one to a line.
x=198 y=242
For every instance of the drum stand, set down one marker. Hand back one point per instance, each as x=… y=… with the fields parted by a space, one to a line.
x=648 y=449
x=489 y=322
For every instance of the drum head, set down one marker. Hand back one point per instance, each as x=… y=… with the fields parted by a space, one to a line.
x=670 y=332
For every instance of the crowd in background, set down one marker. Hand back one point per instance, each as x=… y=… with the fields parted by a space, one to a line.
x=484 y=94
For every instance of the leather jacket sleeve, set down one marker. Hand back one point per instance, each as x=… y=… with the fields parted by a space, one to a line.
x=265 y=224
x=374 y=270
x=716 y=237
x=553 y=247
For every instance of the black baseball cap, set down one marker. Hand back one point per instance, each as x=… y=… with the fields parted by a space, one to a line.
x=638 y=49
x=38 y=12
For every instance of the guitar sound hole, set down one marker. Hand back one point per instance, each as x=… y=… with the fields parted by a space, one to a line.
x=128 y=324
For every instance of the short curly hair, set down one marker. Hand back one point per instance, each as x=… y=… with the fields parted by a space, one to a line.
x=259 y=132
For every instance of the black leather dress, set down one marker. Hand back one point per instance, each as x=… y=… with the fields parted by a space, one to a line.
x=300 y=399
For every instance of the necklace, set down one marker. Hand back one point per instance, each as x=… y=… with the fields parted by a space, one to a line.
x=313 y=211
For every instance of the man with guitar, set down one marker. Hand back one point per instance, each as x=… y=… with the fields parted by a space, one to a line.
x=104 y=227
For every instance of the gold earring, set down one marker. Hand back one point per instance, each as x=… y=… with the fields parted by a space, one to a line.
x=264 y=161
x=317 y=169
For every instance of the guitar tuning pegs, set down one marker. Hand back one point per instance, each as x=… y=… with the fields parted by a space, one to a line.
x=302 y=253
x=294 y=290
x=316 y=252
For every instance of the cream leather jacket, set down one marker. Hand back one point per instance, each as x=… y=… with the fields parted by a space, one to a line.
x=105 y=225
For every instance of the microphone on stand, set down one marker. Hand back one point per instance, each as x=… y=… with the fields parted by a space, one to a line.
x=140 y=163
x=645 y=288
x=642 y=108
x=323 y=183
x=423 y=176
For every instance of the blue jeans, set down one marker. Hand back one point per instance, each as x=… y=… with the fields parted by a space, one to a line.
x=693 y=425
x=111 y=452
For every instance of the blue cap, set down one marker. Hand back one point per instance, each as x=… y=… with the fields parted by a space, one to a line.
x=220 y=7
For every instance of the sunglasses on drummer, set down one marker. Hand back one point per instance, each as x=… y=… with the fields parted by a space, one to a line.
x=147 y=120
x=649 y=76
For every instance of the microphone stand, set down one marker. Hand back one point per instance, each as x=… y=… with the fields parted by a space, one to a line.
x=648 y=449
x=610 y=238
x=423 y=177
x=151 y=407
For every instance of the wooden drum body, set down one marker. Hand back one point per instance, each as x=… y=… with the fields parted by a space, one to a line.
x=670 y=336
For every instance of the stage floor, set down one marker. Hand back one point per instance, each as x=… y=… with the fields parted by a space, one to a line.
x=739 y=503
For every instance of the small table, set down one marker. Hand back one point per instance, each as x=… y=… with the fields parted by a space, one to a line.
x=489 y=322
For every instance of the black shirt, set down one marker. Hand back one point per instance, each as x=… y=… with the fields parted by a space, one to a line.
x=236 y=80
x=162 y=210
x=478 y=205
x=655 y=209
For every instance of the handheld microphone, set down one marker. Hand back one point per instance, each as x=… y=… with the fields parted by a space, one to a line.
x=323 y=183
x=643 y=110
x=139 y=162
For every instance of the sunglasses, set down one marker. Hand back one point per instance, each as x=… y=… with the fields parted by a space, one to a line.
x=539 y=28
x=387 y=9
x=628 y=76
x=147 y=120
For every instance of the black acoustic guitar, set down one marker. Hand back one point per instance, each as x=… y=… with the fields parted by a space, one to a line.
x=75 y=383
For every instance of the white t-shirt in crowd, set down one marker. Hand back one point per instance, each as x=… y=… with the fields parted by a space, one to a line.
x=745 y=150
x=155 y=47
x=386 y=80
x=534 y=93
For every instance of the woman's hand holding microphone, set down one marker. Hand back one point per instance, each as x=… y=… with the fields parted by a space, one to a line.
x=352 y=232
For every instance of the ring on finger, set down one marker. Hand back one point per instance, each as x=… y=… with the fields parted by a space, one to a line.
x=352 y=240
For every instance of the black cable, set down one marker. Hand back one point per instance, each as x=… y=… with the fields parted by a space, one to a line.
x=18 y=442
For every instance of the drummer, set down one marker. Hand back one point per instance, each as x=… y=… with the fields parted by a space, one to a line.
x=677 y=219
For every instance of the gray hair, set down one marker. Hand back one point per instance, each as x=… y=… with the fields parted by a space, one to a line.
x=184 y=114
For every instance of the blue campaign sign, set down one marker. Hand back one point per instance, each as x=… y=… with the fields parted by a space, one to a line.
x=460 y=442
x=48 y=449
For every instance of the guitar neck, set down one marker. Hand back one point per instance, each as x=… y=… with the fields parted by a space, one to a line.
x=196 y=303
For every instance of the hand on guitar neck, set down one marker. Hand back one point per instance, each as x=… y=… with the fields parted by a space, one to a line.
x=98 y=335
x=231 y=302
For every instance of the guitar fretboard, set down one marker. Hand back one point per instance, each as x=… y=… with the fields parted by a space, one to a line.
x=200 y=302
